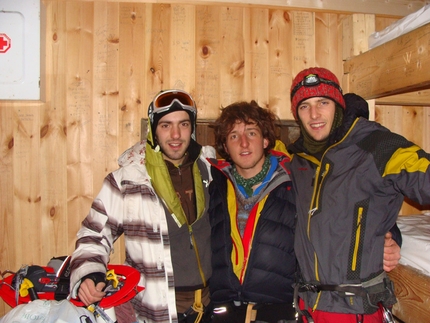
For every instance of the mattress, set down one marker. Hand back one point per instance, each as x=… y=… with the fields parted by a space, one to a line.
x=400 y=27
x=415 y=250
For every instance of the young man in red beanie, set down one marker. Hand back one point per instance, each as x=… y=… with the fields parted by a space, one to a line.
x=350 y=176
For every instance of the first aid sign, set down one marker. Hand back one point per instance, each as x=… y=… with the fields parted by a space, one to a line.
x=4 y=43
x=20 y=50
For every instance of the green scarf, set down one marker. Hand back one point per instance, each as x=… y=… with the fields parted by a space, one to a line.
x=248 y=183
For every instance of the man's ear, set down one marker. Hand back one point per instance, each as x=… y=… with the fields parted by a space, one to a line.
x=225 y=148
x=265 y=143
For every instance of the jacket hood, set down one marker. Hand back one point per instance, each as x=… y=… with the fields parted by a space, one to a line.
x=137 y=154
x=133 y=155
x=142 y=154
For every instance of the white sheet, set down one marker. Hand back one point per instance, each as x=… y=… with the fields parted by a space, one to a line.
x=400 y=27
x=415 y=250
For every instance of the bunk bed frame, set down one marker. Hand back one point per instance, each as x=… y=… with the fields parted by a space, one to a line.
x=398 y=73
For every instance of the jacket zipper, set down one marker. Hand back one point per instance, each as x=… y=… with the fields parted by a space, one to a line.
x=190 y=230
x=312 y=208
x=357 y=239
x=193 y=244
x=315 y=201
x=259 y=208
x=319 y=180
x=244 y=265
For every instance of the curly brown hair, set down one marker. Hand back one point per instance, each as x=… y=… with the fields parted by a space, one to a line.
x=248 y=113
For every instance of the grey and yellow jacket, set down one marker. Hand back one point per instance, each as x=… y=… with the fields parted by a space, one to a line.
x=347 y=199
x=139 y=202
x=260 y=266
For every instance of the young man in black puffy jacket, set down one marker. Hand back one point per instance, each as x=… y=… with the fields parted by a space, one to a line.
x=252 y=215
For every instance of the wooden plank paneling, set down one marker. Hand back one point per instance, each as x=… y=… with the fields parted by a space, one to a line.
x=157 y=50
x=132 y=27
x=208 y=61
x=7 y=142
x=257 y=54
x=27 y=231
x=232 y=49
x=8 y=258
x=327 y=35
x=303 y=42
x=355 y=31
x=280 y=54
x=182 y=55
x=106 y=90
x=53 y=142
x=79 y=105
x=106 y=100
x=357 y=28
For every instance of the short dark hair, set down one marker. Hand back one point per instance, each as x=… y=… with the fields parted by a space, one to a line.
x=248 y=113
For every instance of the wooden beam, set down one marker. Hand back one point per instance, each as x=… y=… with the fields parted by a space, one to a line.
x=397 y=8
x=398 y=66
x=412 y=290
x=413 y=98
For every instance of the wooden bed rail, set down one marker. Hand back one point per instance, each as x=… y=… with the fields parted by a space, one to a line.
x=399 y=66
x=413 y=294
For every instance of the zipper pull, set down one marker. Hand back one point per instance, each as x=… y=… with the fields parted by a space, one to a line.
x=312 y=211
x=191 y=237
x=206 y=182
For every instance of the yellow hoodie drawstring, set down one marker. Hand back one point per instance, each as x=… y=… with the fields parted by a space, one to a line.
x=198 y=306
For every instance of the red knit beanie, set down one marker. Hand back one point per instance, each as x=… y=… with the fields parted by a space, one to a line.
x=326 y=85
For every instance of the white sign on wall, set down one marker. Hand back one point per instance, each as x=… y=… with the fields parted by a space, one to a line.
x=19 y=49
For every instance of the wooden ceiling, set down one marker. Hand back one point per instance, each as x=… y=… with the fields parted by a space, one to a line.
x=392 y=8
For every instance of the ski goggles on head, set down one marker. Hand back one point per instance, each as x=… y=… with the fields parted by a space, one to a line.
x=314 y=80
x=165 y=100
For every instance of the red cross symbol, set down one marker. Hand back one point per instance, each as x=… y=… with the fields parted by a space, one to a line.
x=4 y=43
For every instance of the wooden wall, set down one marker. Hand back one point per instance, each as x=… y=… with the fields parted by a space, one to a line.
x=103 y=63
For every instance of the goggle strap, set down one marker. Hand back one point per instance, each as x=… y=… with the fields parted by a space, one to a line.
x=156 y=110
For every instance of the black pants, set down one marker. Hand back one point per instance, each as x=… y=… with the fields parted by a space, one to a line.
x=270 y=313
x=191 y=317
